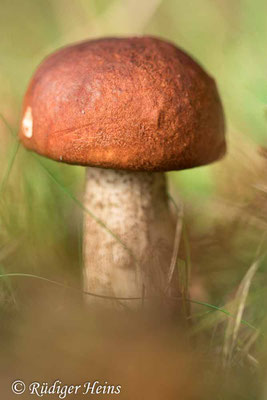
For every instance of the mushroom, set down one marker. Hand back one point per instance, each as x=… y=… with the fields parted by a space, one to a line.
x=128 y=109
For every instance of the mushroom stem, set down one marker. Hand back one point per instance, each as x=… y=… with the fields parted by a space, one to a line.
x=133 y=254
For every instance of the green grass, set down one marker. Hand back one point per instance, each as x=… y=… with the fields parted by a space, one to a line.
x=225 y=212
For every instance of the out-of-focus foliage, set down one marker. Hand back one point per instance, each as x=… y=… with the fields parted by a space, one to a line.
x=228 y=38
x=225 y=204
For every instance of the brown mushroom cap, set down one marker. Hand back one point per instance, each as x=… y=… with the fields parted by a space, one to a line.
x=133 y=103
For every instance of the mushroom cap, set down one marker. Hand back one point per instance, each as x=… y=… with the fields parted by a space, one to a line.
x=124 y=103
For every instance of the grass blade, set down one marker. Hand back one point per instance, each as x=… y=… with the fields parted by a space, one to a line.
x=70 y=195
x=238 y=308
x=213 y=307
x=9 y=166
x=177 y=240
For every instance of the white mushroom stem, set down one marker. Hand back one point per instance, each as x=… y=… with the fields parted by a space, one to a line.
x=134 y=207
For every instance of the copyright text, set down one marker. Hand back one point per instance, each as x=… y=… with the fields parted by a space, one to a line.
x=61 y=390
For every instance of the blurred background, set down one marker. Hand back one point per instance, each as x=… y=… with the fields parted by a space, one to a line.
x=225 y=204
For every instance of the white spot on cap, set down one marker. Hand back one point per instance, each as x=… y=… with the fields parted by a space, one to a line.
x=83 y=112
x=27 y=123
x=60 y=158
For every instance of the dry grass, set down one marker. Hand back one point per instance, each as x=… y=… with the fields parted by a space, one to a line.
x=45 y=330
